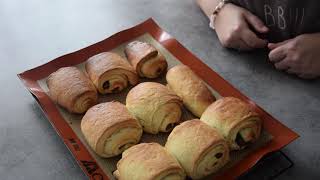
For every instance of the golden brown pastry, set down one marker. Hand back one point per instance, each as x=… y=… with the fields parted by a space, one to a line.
x=186 y=84
x=155 y=106
x=200 y=149
x=110 y=129
x=110 y=73
x=146 y=59
x=148 y=161
x=72 y=89
x=235 y=120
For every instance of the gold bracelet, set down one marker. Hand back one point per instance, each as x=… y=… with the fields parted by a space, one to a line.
x=217 y=9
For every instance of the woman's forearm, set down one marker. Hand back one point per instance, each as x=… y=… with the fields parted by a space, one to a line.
x=208 y=6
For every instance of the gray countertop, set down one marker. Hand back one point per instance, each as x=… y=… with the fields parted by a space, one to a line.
x=35 y=31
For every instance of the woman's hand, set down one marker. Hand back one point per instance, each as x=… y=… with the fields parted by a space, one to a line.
x=300 y=55
x=233 y=26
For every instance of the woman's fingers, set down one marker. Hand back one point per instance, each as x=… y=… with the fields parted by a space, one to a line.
x=240 y=45
x=282 y=65
x=272 y=46
x=277 y=54
x=255 y=22
x=252 y=40
x=292 y=71
x=307 y=76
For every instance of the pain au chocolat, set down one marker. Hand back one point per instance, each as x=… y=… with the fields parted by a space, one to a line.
x=72 y=89
x=148 y=161
x=110 y=73
x=156 y=107
x=110 y=129
x=186 y=84
x=235 y=120
x=146 y=59
x=199 y=148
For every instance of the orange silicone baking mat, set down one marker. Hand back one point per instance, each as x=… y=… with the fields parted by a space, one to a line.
x=274 y=137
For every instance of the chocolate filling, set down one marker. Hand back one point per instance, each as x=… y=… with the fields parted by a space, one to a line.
x=240 y=141
x=117 y=89
x=159 y=70
x=106 y=85
x=219 y=155
x=170 y=127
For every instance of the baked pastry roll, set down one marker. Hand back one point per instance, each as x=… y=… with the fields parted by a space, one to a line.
x=145 y=59
x=72 y=89
x=235 y=120
x=185 y=83
x=200 y=149
x=110 y=129
x=148 y=161
x=110 y=73
x=155 y=106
